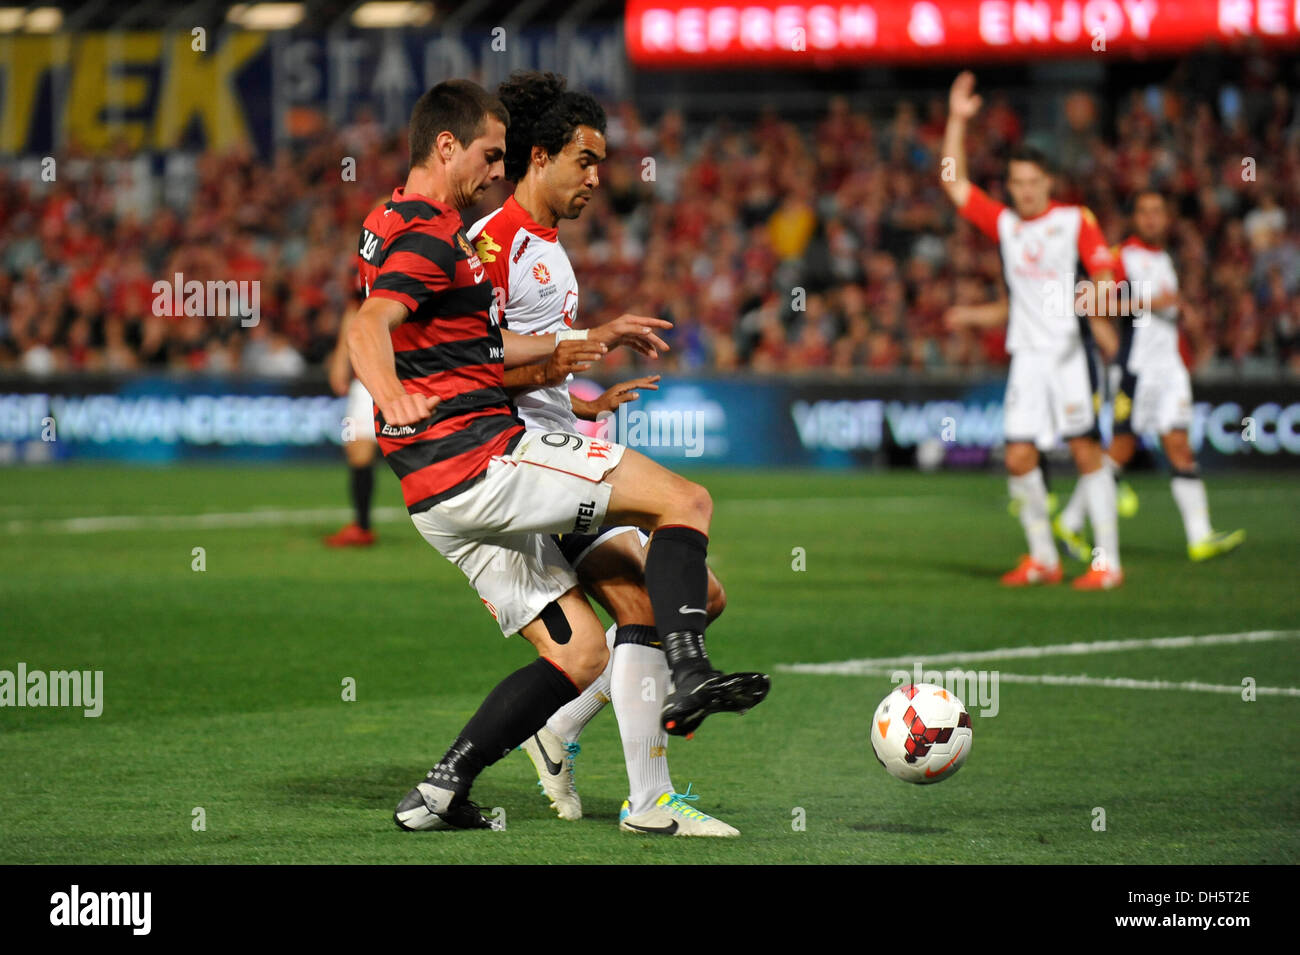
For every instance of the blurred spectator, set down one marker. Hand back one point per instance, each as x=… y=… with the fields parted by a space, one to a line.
x=784 y=244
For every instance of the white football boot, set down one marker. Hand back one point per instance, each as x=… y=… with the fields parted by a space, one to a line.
x=553 y=759
x=673 y=815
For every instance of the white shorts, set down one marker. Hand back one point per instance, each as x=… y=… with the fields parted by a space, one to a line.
x=1162 y=401
x=360 y=412
x=498 y=531
x=1048 y=394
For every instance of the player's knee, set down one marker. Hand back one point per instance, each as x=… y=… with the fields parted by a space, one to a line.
x=1086 y=453
x=359 y=454
x=586 y=656
x=717 y=601
x=1179 y=451
x=1021 y=458
x=694 y=505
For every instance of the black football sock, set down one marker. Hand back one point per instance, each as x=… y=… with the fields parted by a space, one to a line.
x=363 y=485
x=677 y=580
x=516 y=708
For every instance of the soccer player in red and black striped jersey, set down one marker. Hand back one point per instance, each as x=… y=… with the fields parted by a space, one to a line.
x=428 y=345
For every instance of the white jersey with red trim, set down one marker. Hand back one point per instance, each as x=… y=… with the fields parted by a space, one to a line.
x=1150 y=273
x=528 y=263
x=1039 y=260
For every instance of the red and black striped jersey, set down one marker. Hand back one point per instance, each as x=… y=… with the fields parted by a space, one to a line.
x=413 y=251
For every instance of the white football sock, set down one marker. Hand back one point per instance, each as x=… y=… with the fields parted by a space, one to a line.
x=1189 y=494
x=568 y=721
x=1075 y=511
x=1099 y=492
x=640 y=682
x=1031 y=492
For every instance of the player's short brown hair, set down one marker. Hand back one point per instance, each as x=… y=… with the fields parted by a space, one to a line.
x=1148 y=191
x=460 y=107
x=1039 y=158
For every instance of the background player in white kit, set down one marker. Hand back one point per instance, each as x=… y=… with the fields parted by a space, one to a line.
x=1155 y=392
x=554 y=146
x=1048 y=387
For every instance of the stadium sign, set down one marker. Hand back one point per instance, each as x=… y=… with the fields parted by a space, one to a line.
x=746 y=33
x=740 y=422
x=153 y=92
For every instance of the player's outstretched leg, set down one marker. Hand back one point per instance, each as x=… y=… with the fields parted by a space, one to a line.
x=571 y=644
x=1203 y=542
x=678 y=512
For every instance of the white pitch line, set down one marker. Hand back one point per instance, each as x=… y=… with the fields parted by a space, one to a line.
x=852 y=667
x=273 y=517
x=1118 y=682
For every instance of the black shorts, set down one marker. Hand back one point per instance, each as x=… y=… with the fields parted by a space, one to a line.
x=574 y=547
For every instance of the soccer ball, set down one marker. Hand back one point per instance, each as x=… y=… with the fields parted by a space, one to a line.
x=921 y=733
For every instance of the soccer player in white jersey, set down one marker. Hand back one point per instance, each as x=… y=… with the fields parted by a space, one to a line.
x=1155 y=391
x=554 y=147
x=1048 y=386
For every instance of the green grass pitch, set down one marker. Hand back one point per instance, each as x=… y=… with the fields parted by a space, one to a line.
x=223 y=687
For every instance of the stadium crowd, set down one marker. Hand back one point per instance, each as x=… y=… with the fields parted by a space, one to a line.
x=773 y=245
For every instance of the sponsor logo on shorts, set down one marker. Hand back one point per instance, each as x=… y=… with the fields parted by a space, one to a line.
x=401 y=431
x=491 y=609
x=586 y=511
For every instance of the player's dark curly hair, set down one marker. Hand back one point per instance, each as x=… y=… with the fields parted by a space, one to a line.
x=543 y=113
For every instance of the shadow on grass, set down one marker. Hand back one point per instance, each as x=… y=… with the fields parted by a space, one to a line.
x=380 y=788
x=899 y=828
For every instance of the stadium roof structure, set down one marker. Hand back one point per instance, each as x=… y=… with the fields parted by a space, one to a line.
x=319 y=14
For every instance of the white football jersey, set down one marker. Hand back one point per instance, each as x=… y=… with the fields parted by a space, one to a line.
x=1039 y=260
x=528 y=263
x=1153 y=341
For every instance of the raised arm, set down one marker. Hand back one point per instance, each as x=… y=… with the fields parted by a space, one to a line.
x=570 y=357
x=963 y=104
x=634 y=331
x=987 y=315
